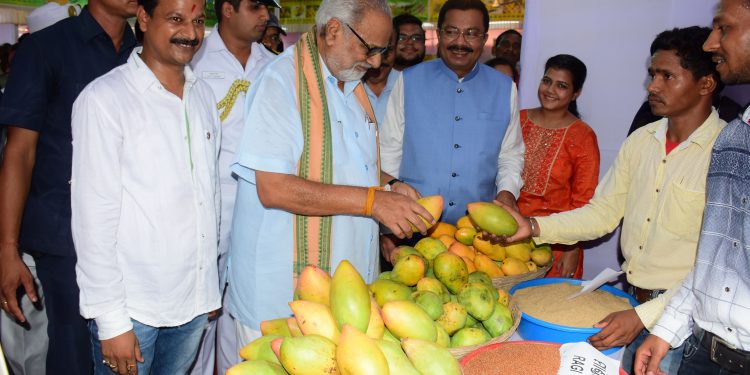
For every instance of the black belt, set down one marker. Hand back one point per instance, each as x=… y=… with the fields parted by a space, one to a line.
x=644 y=295
x=725 y=354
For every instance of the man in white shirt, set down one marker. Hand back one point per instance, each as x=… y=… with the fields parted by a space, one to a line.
x=145 y=199
x=229 y=61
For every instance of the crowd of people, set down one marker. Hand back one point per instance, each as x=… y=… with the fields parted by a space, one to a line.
x=160 y=194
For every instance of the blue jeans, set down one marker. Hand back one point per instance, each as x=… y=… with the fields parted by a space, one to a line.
x=670 y=364
x=165 y=350
x=697 y=360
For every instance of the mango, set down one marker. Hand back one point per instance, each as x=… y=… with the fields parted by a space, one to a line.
x=429 y=358
x=453 y=317
x=403 y=251
x=398 y=362
x=470 y=267
x=462 y=250
x=519 y=250
x=480 y=277
x=260 y=349
x=276 y=347
x=275 y=327
x=314 y=285
x=447 y=240
x=531 y=266
x=387 y=290
x=388 y=336
x=384 y=275
x=358 y=354
x=308 y=355
x=541 y=257
x=350 y=298
x=451 y=270
x=291 y=323
x=376 y=327
x=470 y=322
x=431 y=285
x=499 y=322
x=315 y=319
x=443 y=338
x=492 y=218
x=494 y=252
x=407 y=319
x=442 y=229
x=430 y=247
x=256 y=367
x=503 y=297
x=465 y=235
x=430 y=302
x=465 y=222
x=486 y=265
x=409 y=270
x=478 y=300
x=513 y=266
x=469 y=337
x=434 y=205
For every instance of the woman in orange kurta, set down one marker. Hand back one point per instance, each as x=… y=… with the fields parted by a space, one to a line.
x=561 y=168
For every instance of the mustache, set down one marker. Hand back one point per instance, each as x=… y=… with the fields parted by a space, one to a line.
x=189 y=42
x=460 y=48
x=655 y=98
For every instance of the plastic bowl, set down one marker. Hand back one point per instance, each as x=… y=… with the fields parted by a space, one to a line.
x=473 y=354
x=539 y=330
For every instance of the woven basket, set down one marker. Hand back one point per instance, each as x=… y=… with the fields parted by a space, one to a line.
x=507 y=282
x=459 y=353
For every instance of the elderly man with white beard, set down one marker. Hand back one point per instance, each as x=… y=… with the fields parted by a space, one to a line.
x=310 y=188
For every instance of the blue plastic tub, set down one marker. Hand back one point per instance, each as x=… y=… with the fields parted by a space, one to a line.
x=538 y=330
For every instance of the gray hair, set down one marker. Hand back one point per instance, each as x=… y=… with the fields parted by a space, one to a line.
x=348 y=11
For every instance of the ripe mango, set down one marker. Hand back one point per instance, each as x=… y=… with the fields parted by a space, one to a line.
x=314 y=285
x=315 y=319
x=398 y=362
x=451 y=270
x=308 y=355
x=430 y=302
x=443 y=339
x=503 y=297
x=453 y=317
x=478 y=300
x=447 y=240
x=434 y=205
x=494 y=252
x=541 y=256
x=519 y=250
x=462 y=250
x=513 y=266
x=531 y=266
x=388 y=290
x=407 y=319
x=256 y=367
x=492 y=218
x=375 y=327
x=386 y=275
x=480 y=277
x=276 y=347
x=470 y=322
x=275 y=327
x=429 y=358
x=401 y=252
x=470 y=267
x=409 y=270
x=260 y=349
x=469 y=337
x=291 y=323
x=430 y=247
x=465 y=222
x=486 y=265
x=350 y=298
x=499 y=322
x=358 y=354
x=466 y=235
x=430 y=284
x=441 y=229
x=388 y=336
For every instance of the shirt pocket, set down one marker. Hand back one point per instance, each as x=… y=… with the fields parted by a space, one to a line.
x=682 y=213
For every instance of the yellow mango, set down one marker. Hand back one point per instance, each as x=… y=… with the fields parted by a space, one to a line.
x=503 y=297
x=256 y=367
x=429 y=358
x=434 y=205
x=440 y=229
x=492 y=218
x=407 y=319
x=314 y=285
x=430 y=247
x=275 y=327
x=315 y=319
x=358 y=354
x=493 y=251
x=465 y=235
x=447 y=240
x=453 y=317
x=462 y=250
x=513 y=266
x=519 y=250
x=541 y=257
x=260 y=349
x=291 y=323
x=470 y=267
x=409 y=270
x=376 y=327
x=389 y=290
x=465 y=222
x=308 y=355
x=486 y=265
x=350 y=297
x=398 y=362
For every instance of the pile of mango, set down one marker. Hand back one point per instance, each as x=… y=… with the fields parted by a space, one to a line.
x=339 y=328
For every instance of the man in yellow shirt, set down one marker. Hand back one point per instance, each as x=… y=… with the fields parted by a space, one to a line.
x=656 y=186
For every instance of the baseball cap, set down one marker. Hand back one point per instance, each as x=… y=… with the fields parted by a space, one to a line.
x=273 y=21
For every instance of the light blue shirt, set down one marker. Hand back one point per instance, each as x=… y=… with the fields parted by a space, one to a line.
x=379 y=103
x=261 y=249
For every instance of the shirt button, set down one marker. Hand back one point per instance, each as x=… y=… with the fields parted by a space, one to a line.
x=657 y=190
x=367 y=168
x=630 y=272
x=735 y=244
x=648 y=219
x=451 y=204
x=453 y=174
x=664 y=161
x=203 y=235
x=457 y=118
x=729 y=329
x=726 y=289
x=456 y=146
x=459 y=90
x=640 y=247
x=356 y=134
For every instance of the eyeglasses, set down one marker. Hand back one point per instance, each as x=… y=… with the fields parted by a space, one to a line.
x=371 y=51
x=416 y=38
x=471 y=35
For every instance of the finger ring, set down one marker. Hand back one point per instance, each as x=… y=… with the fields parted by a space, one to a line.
x=110 y=365
x=5 y=303
x=130 y=368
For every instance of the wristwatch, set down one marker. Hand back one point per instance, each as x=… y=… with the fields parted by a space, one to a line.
x=389 y=185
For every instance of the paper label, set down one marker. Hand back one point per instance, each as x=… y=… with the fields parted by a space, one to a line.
x=580 y=358
x=213 y=75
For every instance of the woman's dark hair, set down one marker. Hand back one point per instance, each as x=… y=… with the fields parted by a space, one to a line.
x=577 y=70
x=493 y=62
